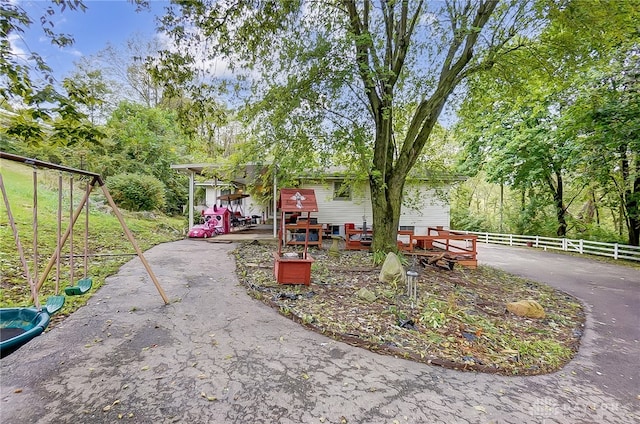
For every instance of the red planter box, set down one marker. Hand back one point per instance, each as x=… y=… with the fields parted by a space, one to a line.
x=292 y=270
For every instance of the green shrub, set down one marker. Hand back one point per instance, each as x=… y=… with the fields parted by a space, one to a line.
x=136 y=192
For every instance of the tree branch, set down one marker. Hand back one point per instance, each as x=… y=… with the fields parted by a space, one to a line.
x=427 y=112
x=362 y=53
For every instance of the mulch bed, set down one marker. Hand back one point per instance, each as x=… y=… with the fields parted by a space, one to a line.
x=458 y=320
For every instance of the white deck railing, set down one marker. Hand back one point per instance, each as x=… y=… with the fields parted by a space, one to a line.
x=611 y=250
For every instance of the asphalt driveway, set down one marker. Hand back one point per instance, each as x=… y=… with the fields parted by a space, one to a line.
x=215 y=355
x=611 y=295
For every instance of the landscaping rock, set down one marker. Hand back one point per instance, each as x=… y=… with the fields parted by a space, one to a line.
x=526 y=308
x=392 y=270
x=334 y=250
x=367 y=295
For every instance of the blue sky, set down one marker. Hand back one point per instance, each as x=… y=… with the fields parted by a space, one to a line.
x=105 y=21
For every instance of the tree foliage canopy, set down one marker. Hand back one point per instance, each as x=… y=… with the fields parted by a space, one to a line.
x=360 y=83
x=564 y=111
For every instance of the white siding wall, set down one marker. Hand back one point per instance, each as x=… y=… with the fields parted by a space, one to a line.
x=211 y=196
x=425 y=208
x=251 y=207
x=338 y=212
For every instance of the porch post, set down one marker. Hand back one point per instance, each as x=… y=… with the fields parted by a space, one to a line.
x=191 y=183
x=275 y=205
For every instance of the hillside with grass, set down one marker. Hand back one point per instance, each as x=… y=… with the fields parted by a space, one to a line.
x=108 y=246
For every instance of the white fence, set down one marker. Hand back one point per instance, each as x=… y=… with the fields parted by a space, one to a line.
x=611 y=250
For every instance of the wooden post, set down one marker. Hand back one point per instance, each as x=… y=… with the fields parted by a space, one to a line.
x=191 y=183
x=23 y=260
x=64 y=238
x=134 y=244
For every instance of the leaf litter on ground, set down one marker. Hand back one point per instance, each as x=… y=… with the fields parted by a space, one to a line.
x=458 y=320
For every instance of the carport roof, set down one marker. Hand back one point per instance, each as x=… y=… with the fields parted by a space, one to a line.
x=243 y=174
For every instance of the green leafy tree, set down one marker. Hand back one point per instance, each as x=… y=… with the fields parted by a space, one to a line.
x=47 y=116
x=356 y=82
x=142 y=140
x=606 y=120
x=18 y=83
x=519 y=123
x=90 y=90
x=517 y=141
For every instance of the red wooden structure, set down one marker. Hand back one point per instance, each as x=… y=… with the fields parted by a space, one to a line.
x=292 y=267
x=457 y=247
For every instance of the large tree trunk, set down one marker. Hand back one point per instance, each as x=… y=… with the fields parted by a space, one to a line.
x=630 y=195
x=386 y=202
x=633 y=210
x=560 y=209
x=557 y=189
x=379 y=73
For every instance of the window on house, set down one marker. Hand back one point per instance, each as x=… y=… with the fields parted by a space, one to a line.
x=341 y=190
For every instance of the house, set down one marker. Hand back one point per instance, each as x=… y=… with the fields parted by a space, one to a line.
x=340 y=200
x=343 y=202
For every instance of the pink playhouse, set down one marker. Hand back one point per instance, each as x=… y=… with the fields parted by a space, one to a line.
x=217 y=220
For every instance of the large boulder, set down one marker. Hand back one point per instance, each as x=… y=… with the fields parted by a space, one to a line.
x=392 y=270
x=526 y=308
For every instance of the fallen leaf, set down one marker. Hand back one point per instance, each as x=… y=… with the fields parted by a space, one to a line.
x=480 y=408
x=211 y=398
x=107 y=408
x=145 y=368
x=305 y=376
x=20 y=391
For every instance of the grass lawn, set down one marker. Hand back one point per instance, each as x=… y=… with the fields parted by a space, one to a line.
x=106 y=236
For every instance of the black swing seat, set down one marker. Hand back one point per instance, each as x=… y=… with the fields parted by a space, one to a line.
x=82 y=287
